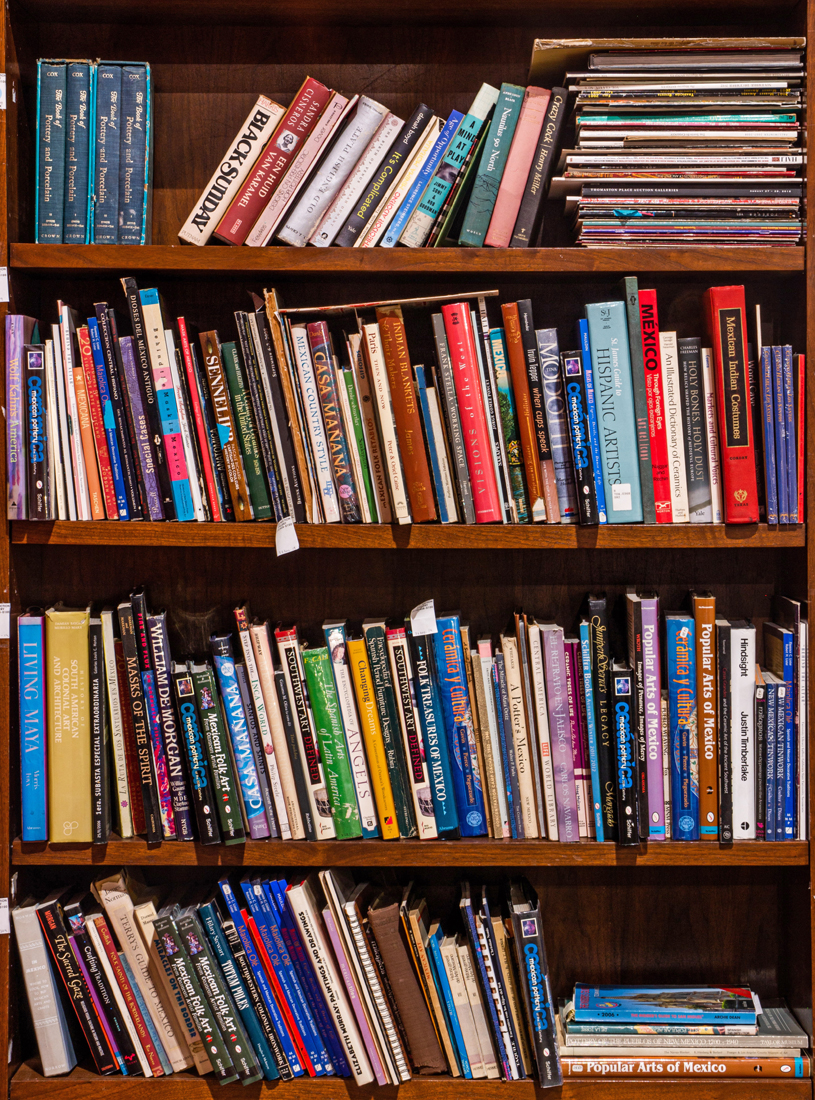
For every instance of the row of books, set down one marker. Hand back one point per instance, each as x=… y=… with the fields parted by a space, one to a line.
x=684 y=143
x=94 y=152
x=504 y=427
x=273 y=979
x=332 y=170
x=415 y=729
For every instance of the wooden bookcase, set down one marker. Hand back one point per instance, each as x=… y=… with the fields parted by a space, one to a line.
x=665 y=912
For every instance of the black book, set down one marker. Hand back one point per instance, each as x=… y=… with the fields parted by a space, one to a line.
x=36 y=432
x=100 y=751
x=533 y=968
x=637 y=662
x=257 y=749
x=138 y=711
x=116 y=388
x=148 y=392
x=625 y=739
x=529 y=341
x=53 y=926
x=761 y=757
x=724 y=718
x=216 y=452
x=694 y=426
x=574 y=386
x=530 y=215
x=224 y=776
x=261 y=417
x=510 y=764
x=296 y=756
x=202 y=791
x=601 y=683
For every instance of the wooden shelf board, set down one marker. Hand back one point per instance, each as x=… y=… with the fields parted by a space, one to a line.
x=302 y=262
x=82 y=1084
x=372 y=536
x=415 y=853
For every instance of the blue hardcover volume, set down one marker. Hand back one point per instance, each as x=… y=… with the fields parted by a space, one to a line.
x=779 y=654
x=437 y=969
x=681 y=668
x=108 y=418
x=596 y=788
x=557 y=421
x=51 y=97
x=133 y=155
x=772 y=754
x=616 y=420
x=458 y=720
x=106 y=166
x=31 y=663
x=424 y=177
x=789 y=422
x=591 y=416
x=77 y=153
x=767 y=422
x=437 y=752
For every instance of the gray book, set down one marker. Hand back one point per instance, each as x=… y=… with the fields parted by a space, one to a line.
x=700 y=501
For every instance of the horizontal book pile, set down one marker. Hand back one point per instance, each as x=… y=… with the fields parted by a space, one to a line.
x=322 y=415
x=338 y=170
x=686 y=145
x=701 y=1031
x=269 y=979
x=659 y=726
x=94 y=152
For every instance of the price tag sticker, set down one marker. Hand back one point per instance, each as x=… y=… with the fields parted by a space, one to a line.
x=5 y=620
x=2 y=91
x=5 y=927
x=285 y=539
x=423 y=619
x=4 y=297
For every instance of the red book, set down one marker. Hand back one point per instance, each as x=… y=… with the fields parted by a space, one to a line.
x=198 y=417
x=271 y=165
x=97 y=423
x=800 y=398
x=521 y=154
x=725 y=311
x=459 y=329
x=655 y=399
x=131 y=754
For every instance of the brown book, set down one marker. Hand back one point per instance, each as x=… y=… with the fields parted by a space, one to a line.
x=425 y=1051
x=222 y=408
x=704 y=614
x=406 y=413
x=523 y=406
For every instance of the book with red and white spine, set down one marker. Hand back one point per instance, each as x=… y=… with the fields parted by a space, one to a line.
x=306 y=107
x=198 y=417
x=458 y=327
x=521 y=154
x=726 y=320
x=97 y=423
x=657 y=429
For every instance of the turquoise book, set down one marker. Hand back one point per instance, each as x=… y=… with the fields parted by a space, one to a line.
x=614 y=399
x=107 y=125
x=51 y=96
x=491 y=167
x=77 y=153
x=133 y=155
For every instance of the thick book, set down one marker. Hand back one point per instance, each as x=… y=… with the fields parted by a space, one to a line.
x=704 y=614
x=177 y=772
x=315 y=425
x=53 y=1036
x=700 y=504
x=562 y=759
x=593 y=417
x=509 y=425
x=527 y=426
x=51 y=131
x=40 y=505
x=528 y=221
x=224 y=780
x=222 y=410
x=402 y=676
x=557 y=422
x=134 y=153
x=655 y=405
x=521 y=155
x=245 y=429
x=442 y=759
x=202 y=790
x=77 y=153
x=31 y=671
x=529 y=342
x=601 y=660
x=19 y=330
x=625 y=741
x=491 y=166
x=447 y=395
x=680 y=663
x=107 y=130
x=742 y=728
x=704 y=1068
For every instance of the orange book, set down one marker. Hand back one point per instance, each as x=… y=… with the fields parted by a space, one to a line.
x=406 y=414
x=523 y=405
x=97 y=422
x=88 y=447
x=704 y=614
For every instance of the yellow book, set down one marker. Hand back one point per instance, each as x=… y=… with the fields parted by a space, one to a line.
x=69 y=725
x=372 y=734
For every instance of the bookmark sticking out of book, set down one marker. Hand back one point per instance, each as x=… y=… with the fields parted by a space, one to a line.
x=423 y=619
x=285 y=539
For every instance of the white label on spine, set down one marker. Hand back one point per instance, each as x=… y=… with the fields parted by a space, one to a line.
x=4 y=297
x=4 y=922
x=285 y=539
x=423 y=619
x=2 y=91
x=621 y=498
x=5 y=617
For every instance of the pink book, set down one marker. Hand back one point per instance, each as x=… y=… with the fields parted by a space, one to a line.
x=513 y=181
x=580 y=756
x=353 y=997
x=477 y=443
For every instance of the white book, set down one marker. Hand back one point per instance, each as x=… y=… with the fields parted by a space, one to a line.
x=677 y=472
x=56 y=466
x=742 y=728
x=296 y=176
x=387 y=424
x=482 y=1030
x=316 y=428
x=64 y=425
x=442 y=456
x=367 y=408
x=50 y=1026
x=232 y=170
x=261 y=645
x=264 y=729
x=485 y=654
x=803 y=728
x=461 y=1002
x=544 y=740
x=520 y=737
x=302 y=897
x=398 y=190
x=666 y=761
x=347 y=197
x=335 y=640
x=333 y=172
x=117 y=737
x=343 y=375
x=67 y=329
x=194 y=476
x=712 y=435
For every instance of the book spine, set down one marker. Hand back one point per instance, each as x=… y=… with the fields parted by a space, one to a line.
x=700 y=503
x=18 y=330
x=291 y=735
x=69 y=354
x=652 y=700
x=528 y=222
x=576 y=394
x=800 y=404
x=712 y=435
x=723 y=645
x=537 y=401
x=581 y=772
x=557 y=423
x=742 y=729
x=507 y=746
x=265 y=425
x=655 y=402
x=491 y=166
x=219 y=395
x=132 y=788
x=429 y=709
x=213 y=434
x=636 y=660
x=681 y=675
x=592 y=418
x=202 y=790
x=107 y=450
x=622 y=697
x=163 y=795
x=562 y=761
x=677 y=461
x=319 y=444
x=447 y=390
x=486 y=992
x=767 y=380
x=378 y=500
x=770 y=760
x=509 y=425
x=37 y=435
x=33 y=732
x=591 y=727
x=392 y=459
x=514 y=177
x=101 y=993
x=780 y=436
x=200 y=422
x=108 y=99
x=638 y=379
x=90 y=465
x=434 y=444
x=176 y=769
x=412 y=736
x=336 y=441
x=48 y=1017
x=123 y=428
x=696 y=1067
x=141 y=431
x=77 y=153
x=791 y=440
x=704 y=611
x=537 y=990
x=761 y=755
x=247 y=438
x=51 y=130
x=601 y=684
x=728 y=331
x=133 y=154
x=100 y=751
x=372 y=735
x=543 y=732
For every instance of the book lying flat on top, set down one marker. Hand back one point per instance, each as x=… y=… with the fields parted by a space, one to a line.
x=665 y=1004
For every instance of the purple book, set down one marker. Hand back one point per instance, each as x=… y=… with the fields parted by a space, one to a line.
x=560 y=731
x=653 y=717
x=582 y=775
x=19 y=330
x=142 y=430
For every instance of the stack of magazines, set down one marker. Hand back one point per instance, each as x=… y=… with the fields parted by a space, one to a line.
x=700 y=1031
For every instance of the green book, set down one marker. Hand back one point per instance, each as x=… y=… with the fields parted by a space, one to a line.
x=247 y=436
x=374 y=633
x=509 y=423
x=451 y=216
x=348 y=380
x=325 y=706
x=491 y=166
x=224 y=781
